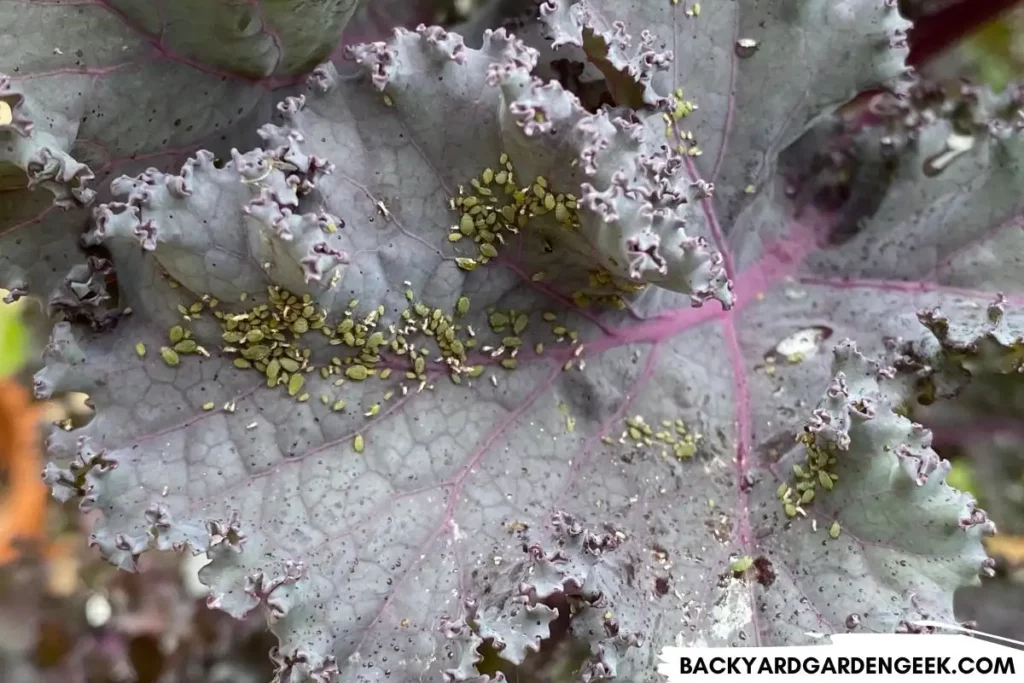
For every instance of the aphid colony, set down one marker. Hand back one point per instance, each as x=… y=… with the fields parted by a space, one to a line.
x=272 y=338
x=680 y=109
x=815 y=471
x=497 y=206
x=674 y=437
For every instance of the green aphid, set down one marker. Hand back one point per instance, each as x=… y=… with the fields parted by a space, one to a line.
x=289 y=364
x=476 y=371
x=385 y=373
x=783 y=488
x=176 y=334
x=375 y=340
x=295 y=383
x=273 y=370
x=509 y=363
x=635 y=434
x=789 y=509
x=209 y=405
x=742 y=564
x=356 y=372
x=522 y=320
x=834 y=530
x=419 y=365
x=303 y=398
x=808 y=496
x=466 y=224
x=374 y=409
x=466 y=263
x=512 y=342
x=232 y=337
x=799 y=471
x=826 y=481
x=140 y=349
x=169 y=355
x=338 y=405
x=185 y=346
x=357 y=443
x=488 y=250
x=498 y=321
x=257 y=352
x=462 y=305
x=300 y=326
x=242 y=364
x=549 y=317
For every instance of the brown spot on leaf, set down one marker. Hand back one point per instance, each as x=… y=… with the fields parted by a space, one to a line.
x=763 y=571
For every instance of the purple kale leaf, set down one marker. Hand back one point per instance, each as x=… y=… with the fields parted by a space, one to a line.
x=93 y=90
x=455 y=370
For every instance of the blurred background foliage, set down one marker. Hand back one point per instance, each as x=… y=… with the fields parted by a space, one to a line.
x=65 y=615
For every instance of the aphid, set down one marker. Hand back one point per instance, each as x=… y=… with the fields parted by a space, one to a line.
x=374 y=409
x=140 y=349
x=186 y=346
x=169 y=355
x=208 y=405
x=742 y=564
x=357 y=443
x=356 y=372
x=295 y=383
x=834 y=530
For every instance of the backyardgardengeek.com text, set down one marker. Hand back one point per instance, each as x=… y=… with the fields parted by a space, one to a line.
x=849 y=665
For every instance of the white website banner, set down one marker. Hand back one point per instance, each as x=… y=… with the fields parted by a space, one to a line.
x=852 y=658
